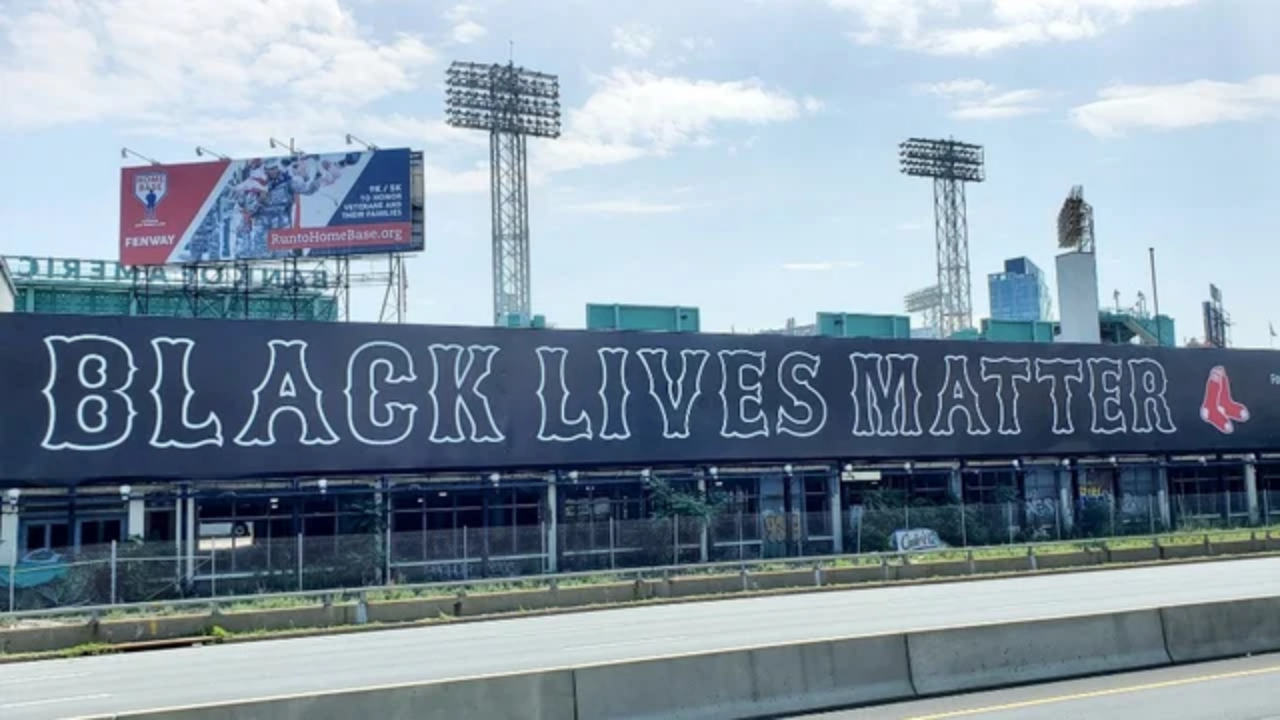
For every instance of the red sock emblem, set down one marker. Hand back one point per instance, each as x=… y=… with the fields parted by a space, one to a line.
x=1232 y=409
x=1219 y=408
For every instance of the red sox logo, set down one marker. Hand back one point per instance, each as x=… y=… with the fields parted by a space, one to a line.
x=1219 y=408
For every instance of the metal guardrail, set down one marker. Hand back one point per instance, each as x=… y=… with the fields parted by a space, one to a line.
x=551 y=581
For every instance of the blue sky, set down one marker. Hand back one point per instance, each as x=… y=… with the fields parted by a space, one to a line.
x=736 y=155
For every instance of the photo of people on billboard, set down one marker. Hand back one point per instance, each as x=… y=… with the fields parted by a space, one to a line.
x=267 y=208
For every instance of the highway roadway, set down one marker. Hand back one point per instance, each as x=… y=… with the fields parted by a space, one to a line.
x=1242 y=689
x=118 y=683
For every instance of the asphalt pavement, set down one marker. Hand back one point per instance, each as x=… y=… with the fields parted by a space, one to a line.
x=1244 y=689
x=116 y=683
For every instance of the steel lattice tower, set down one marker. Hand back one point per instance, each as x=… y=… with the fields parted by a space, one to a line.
x=951 y=164
x=511 y=103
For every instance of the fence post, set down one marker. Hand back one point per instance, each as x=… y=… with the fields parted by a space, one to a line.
x=862 y=509
x=13 y=582
x=613 y=544
x=300 y=583
x=213 y=571
x=466 y=558
x=675 y=539
x=114 y=567
x=742 y=549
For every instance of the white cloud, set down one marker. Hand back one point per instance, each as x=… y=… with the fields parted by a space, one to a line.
x=819 y=266
x=465 y=29
x=912 y=226
x=442 y=181
x=460 y=12
x=697 y=44
x=978 y=100
x=979 y=27
x=634 y=41
x=1122 y=108
x=634 y=114
x=627 y=207
x=468 y=31
x=168 y=66
x=661 y=113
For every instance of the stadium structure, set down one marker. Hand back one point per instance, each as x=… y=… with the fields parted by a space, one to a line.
x=640 y=441
x=8 y=292
x=75 y=286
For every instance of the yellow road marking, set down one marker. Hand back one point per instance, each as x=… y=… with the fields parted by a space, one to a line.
x=1097 y=694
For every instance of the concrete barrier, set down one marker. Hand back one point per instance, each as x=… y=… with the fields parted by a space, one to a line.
x=783 y=680
x=990 y=656
x=1220 y=630
x=756 y=682
x=524 y=696
x=18 y=641
x=1056 y=561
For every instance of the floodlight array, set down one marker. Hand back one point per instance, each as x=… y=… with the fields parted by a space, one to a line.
x=923 y=299
x=502 y=98
x=1075 y=222
x=946 y=159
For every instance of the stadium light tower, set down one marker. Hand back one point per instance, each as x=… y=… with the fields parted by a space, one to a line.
x=511 y=103
x=951 y=164
x=1075 y=223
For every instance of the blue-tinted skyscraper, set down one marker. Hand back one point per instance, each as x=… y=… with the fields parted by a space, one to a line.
x=1020 y=292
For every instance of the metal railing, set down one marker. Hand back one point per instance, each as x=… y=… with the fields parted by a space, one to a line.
x=121 y=575
x=745 y=569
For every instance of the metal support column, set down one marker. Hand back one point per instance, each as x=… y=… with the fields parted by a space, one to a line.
x=1251 y=491
x=553 y=526
x=509 y=185
x=952 y=233
x=837 y=513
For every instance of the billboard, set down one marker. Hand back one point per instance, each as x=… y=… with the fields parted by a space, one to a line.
x=269 y=208
x=113 y=399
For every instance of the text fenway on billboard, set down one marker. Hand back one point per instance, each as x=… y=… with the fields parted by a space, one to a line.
x=229 y=210
x=97 y=399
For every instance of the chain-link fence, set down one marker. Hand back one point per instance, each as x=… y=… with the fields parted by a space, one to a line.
x=131 y=572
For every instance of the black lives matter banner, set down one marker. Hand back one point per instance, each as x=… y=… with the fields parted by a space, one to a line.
x=100 y=399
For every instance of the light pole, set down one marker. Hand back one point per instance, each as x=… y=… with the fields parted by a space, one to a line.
x=511 y=103
x=951 y=164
